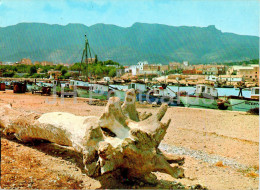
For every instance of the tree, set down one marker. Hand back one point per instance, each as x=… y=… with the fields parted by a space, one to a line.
x=96 y=59
x=98 y=70
x=75 y=67
x=8 y=74
x=112 y=72
x=67 y=75
x=63 y=71
x=32 y=70
x=59 y=67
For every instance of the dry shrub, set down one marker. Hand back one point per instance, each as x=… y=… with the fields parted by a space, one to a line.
x=252 y=174
x=220 y=164
x=256 y=167
x=250 y=171
x=21 y=168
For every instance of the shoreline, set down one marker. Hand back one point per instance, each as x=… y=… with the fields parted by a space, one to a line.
x=218 y=134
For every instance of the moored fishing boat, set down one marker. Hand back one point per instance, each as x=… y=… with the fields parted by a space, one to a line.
x=87 y=90
x=2 y=86
x=156 y=94
x=90 y=94
x=79 y=84
x=9 y=85
x=205 y=96
x=241 y=103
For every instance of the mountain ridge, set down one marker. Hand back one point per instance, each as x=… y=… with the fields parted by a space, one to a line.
x=156 y=43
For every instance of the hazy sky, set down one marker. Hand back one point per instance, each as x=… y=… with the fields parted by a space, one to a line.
x=237 y=16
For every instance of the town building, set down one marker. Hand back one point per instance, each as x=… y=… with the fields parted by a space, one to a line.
x=174 y=66
x=222 y=69
x=210 y=70
x=39 y=71
x=224 y=78
x=164 y=68
x=213 y=69
x=141 y=65
x=192 y=79
x=45 y=63
x=230 y=78
x=137 y=69
x=132 y=69
x=120 y=72
x=63 y=64
x=152 y=67
x=189 y=71
x=9 y=63
x=37 y=63
x=26 y=61
x=91 y=60
x=250 y=73
x=192 y=71
x=185 y=63
x=54 y=74
x=211 y=78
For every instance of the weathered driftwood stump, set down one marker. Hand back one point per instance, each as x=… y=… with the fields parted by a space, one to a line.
x=121 y=139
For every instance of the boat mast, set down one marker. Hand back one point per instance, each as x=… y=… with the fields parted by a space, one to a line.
x=87 y=48
x=86 y=51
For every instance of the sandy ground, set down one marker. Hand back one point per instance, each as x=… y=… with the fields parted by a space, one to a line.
x=220 y=147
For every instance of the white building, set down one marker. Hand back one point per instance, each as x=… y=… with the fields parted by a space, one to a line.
x=131 y=69
x=136 y=69
x=231 y=78
x=106 y=79
x=141 y=64
x=211 y=78
x=186 y=63
x=222 y=78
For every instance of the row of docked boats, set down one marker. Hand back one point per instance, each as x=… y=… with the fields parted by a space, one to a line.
x=204 y=96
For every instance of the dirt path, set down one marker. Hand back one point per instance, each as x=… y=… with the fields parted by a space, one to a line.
x=220 y=147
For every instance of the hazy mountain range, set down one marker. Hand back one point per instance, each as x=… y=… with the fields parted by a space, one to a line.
x=155 y=43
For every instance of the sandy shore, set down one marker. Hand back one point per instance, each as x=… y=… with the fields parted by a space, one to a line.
x=220 y=147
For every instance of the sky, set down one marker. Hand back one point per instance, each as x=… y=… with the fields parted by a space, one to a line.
x=236 y=16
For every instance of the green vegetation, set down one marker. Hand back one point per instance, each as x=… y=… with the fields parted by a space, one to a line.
x=177 y=71
x=96 y=70
x=99 y=69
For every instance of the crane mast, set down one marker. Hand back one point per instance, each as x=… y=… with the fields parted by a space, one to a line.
x=87 y=54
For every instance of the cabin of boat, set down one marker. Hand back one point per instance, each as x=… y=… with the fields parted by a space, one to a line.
x=99 y=88
x=205 y=97
x=78 y=84
x=205 y=89
x=138 y=86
